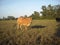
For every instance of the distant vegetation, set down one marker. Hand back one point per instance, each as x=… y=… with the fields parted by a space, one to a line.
x=48 y=12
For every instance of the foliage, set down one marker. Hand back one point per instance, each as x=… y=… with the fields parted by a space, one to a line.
x=35 y=15
x=51 y=11
x=10 y=17
x=48 y=12
x=57 y=11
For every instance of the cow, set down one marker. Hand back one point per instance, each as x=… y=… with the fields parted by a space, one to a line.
x=24 y=21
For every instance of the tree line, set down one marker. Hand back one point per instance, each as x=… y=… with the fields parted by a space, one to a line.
x=48 y=12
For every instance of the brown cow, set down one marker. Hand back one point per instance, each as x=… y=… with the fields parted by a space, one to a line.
x=23 y=21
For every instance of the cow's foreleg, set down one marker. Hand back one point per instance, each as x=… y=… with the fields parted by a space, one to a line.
x=21 y=27
x=25 y=27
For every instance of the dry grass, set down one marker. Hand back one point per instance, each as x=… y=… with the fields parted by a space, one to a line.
x=42 y=32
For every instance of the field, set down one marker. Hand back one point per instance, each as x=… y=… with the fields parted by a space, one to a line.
x=41 y=32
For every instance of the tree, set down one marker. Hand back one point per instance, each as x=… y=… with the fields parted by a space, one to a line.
x=35 y=15
x=57 y=11
x=44 y=11
x=50 y=11
x=4 y=18
x=10 y=17
x=25 y=16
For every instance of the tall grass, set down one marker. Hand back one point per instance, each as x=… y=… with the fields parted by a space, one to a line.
x=42 y=32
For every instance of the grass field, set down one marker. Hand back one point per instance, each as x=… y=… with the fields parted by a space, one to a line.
x=42 y=32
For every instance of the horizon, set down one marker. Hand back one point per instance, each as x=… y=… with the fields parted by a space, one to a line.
x=18 y=8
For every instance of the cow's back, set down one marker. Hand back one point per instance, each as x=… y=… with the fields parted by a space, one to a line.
x=24 y=21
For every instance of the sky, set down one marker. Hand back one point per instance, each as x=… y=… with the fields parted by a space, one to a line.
x=18 y=8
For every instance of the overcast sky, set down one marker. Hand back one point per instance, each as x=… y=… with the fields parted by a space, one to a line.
x=18 y=8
